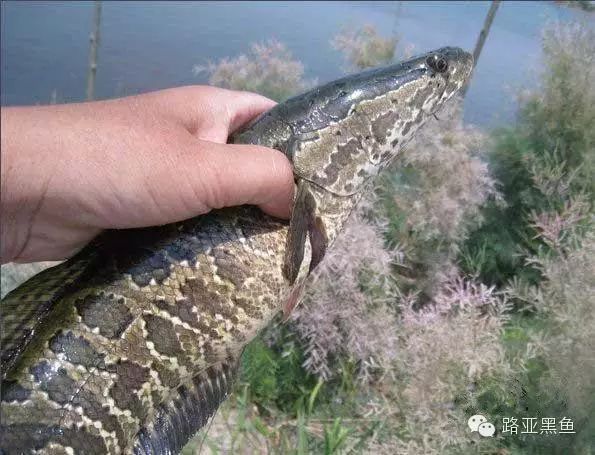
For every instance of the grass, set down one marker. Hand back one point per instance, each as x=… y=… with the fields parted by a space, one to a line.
x=445 y=297
x=464 y=296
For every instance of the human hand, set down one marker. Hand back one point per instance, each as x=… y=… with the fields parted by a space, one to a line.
x=70 y=171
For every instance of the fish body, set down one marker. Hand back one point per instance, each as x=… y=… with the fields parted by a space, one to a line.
x=131 y=345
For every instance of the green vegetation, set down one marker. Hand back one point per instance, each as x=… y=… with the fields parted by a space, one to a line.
x=445 y=297
x=554 y=137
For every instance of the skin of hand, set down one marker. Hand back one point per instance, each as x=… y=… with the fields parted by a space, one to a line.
x=70 y=171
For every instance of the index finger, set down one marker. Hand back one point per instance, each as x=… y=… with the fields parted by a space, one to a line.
x=212 y=113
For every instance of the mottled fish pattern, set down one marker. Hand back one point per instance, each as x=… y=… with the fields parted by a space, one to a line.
x=131 y=345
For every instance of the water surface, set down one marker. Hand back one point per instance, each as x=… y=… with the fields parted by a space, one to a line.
x=154 y=45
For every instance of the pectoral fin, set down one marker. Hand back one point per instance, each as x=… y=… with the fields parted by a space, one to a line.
x=318 y=241
x=304 y=221
x=292 y=301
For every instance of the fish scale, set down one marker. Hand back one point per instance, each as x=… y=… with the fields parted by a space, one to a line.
x=131 y=345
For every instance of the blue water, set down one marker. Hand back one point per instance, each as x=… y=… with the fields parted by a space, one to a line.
x=149 y=46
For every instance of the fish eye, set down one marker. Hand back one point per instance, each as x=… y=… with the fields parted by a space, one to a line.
x=438 y=63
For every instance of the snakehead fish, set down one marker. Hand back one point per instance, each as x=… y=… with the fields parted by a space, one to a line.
x=131 y=345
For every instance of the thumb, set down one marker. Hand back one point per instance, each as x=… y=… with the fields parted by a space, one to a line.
x=235 y=174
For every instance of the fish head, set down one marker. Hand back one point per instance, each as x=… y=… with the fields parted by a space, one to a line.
x=340 y=135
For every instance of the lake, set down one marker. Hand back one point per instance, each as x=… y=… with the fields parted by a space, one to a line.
x=149 y=46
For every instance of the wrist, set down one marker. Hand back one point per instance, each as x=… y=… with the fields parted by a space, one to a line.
x=21 y=190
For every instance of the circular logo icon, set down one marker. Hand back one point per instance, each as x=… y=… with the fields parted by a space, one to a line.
x=486 y=429
x=475 y=421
